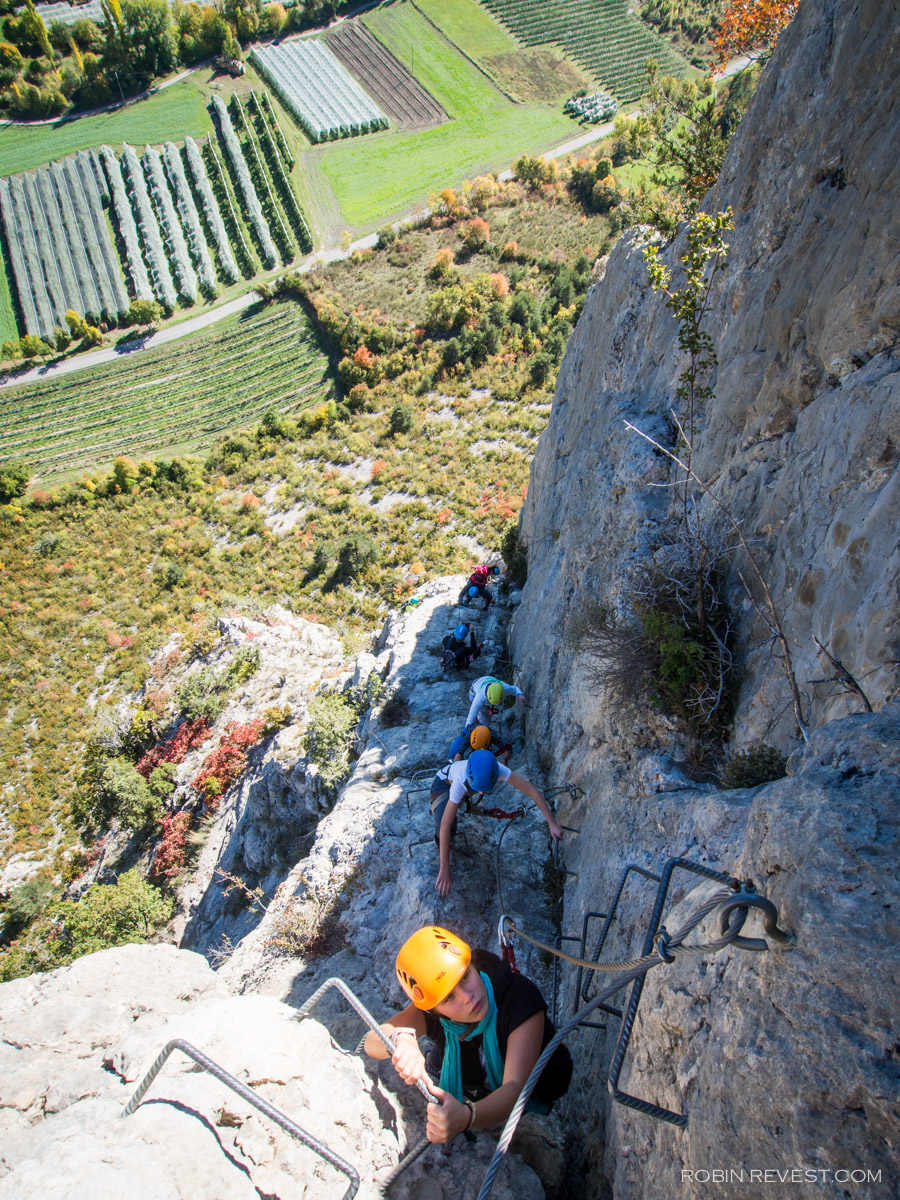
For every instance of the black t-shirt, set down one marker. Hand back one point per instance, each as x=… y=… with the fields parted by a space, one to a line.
x=517 y=999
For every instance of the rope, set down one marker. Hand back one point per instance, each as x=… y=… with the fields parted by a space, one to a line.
x=508 y=927
x=668 y=950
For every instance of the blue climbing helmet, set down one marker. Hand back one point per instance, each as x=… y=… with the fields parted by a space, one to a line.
x=482 y=771
x=473 y=591
x=461 y=632
x=495 y=570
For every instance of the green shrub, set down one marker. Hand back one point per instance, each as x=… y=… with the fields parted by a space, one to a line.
x=332 y=720
x=13 y=481
x=355 y=553
x=25 y=903
x=114 y=791
x=205 y=693
x=162 y=782
x=400 y=419
x=515 y=554
x=333 y=716
x=753 y=766
x=108 y=915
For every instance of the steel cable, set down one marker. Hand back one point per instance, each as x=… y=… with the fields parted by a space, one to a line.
x=673 y=948
x=648 y=960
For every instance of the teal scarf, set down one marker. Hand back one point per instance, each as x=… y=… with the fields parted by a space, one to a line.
x=451 y=1069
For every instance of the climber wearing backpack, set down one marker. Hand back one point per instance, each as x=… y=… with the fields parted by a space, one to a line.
x=486 y=696
x=476 y=585
x=463 y=779
x=459 y=648
x=488 y=1025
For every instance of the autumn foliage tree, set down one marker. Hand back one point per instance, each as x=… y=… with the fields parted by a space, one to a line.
x=751 y=28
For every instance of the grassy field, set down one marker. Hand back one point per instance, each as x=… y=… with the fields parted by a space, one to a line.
x=176 y=398
x=383 y=176
x=524 y=73
x=172 y=114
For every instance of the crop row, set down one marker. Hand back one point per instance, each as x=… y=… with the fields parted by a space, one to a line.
x=601 y=35
x=326 y=100
x=261 y=179
x=154 y=250
x=138 y=418
x=213 y=217
x=226 y=373
x=281 y=177
x=271 y=119
x=215 y=348
x=44 y=413
x=59 y=424
x=204 y=411
x=137 y=268
x=188 y=431
x=252 y=206
x=190 y=218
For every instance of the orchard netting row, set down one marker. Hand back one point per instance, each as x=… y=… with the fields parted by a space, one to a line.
x=177 y=217
x=325 y=98
x=60 y=249
x=600 y=35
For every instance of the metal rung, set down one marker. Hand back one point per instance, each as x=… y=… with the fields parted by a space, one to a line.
x=252 y=1098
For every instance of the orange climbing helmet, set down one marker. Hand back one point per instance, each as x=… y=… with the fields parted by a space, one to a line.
x=480 y=737
x=430 y=965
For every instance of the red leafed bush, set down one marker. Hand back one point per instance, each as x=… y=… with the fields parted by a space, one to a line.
x=189 y=735
x=364 y=358
x=172 y=850
x=228 y=761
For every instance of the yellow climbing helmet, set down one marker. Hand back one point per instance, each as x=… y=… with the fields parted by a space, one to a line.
x=430 y=965
x=496 y=693
x=480 y=737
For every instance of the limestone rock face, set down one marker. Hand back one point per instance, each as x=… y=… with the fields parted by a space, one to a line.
x=259 y=828
x=780 y=1060
x=76 y=1043
x=801 y=439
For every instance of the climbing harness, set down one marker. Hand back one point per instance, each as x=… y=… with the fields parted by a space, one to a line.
x=252 y=1098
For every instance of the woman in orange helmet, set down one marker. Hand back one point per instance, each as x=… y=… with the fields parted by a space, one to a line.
x=488 y=1025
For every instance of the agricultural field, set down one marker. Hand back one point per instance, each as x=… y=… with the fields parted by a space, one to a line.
x=601 y=35
x=171 y=114
x=165 y=215
x=325 y=99
x=523 y=73
x=174 y=399
x=401 y=96
x=392 y=173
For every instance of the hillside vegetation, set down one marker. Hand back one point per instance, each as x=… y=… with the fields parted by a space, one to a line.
x=446 y=341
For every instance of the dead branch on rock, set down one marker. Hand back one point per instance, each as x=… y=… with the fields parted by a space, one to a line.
x=843 y=676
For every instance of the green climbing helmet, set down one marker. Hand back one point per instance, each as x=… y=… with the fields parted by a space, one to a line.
x=496 y=693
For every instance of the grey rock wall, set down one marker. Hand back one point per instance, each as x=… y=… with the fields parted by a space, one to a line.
x=786 y=1060
x=801 y=440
